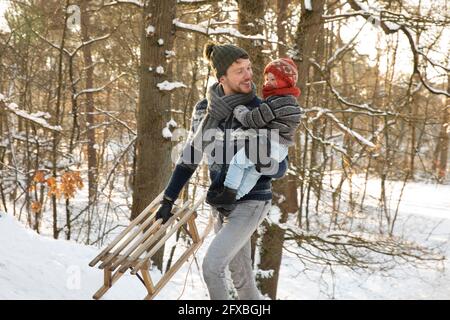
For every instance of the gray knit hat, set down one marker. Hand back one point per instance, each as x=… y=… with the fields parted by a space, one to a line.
x=221 y=57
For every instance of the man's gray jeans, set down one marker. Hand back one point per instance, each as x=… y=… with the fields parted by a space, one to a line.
x=232 y=247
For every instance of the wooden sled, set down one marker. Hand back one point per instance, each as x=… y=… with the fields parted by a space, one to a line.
x=134 y=246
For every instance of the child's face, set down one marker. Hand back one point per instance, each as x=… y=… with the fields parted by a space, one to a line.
x=269 y=80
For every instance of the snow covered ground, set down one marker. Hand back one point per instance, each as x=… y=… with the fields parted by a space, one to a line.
x=37 y=267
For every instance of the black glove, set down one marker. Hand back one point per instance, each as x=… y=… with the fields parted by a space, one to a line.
x=164 y=212
x=224 y=212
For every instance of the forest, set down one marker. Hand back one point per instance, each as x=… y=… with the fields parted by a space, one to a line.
x=96 y=98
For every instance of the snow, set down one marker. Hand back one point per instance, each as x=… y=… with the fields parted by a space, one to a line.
x=353 y=133
x=172 y=123
x=189 y=1
x=169 y=53
x=150 y=30
x=392 y=25
x=363 y=6
x=168 y=86
x=160 y=42
x=159 y=70
x=204 y=27
x=308 y=5
x=34 y=266
x=264 y=273
x=37 y=117
x=2 y=97
x=425 y=218
x=134 y=2
x=166 y=133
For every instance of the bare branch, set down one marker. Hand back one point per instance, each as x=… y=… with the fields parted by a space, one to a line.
x=35 y=118
x=196 y=2
x=95 y=90
x=135 y=3
x=390 y=28
x=118 y=120
x=207 y=30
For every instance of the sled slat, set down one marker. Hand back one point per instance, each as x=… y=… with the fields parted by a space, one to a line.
x=154 y=237
x=127 y=229
x=163 y=239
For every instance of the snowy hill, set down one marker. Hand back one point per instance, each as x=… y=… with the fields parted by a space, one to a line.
x=37 y=267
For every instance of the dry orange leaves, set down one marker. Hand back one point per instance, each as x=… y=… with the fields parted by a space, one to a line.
x=70 y=182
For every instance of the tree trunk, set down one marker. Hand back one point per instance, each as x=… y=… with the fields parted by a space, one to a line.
x=306 y=37
x=250 y=22
x=286 y=189
x=286 y=197
x=271 y=251
x=90 y=118
x=153 y=165
x=441 y=154
x=56 y=135
x=282 y=6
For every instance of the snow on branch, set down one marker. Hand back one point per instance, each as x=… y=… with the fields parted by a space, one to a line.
x=204 y=28
x=342 y=127
x=351 y=132
x=37 y=117
x=136 y=3
x=308 y=5
x=169 y=86
x=166 y=133
x=196 y=2
x=341 y=51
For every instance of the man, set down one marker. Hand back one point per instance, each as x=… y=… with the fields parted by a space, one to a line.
x=231 y=246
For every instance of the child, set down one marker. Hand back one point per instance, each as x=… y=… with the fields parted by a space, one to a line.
x=279 y=111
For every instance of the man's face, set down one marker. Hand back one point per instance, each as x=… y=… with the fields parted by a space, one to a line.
x=238 y=78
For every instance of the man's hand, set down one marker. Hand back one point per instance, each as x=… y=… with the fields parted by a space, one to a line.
x=164 y=212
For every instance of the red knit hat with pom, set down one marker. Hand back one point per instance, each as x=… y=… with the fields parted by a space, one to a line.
x=286 y=74
x=284 y=69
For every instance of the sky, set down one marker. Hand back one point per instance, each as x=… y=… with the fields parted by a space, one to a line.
x=372 y=36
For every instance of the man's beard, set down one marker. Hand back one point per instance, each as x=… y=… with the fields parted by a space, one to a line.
x=241 y=88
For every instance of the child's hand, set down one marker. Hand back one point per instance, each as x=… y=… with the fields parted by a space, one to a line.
x=239 y=113
x=239 y=110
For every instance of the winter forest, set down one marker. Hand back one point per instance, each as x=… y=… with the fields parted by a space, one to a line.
x=96 y=98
